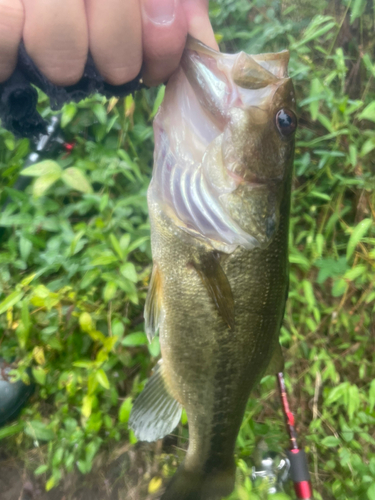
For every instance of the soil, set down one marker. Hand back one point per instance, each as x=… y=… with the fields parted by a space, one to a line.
x=122 y=474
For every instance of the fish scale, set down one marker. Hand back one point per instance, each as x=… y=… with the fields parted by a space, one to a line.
x=218 y=307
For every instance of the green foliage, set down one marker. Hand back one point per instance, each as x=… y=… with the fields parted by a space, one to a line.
x=75 y=263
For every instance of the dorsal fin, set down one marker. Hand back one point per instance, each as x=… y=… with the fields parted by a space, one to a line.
x=249 y=74
x=217 y=284
x=155 y=412
x=153 y=304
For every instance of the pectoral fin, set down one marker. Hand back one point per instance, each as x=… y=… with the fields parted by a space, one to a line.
x=217 y=285
x=155 y=412
x=153 y=304
x=276 y=364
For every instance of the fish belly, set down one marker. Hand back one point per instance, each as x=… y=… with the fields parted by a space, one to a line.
x=211 y=368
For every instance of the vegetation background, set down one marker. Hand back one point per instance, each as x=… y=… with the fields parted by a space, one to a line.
x=75 y=263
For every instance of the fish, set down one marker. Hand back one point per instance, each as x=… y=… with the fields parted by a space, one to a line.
x=219 y=205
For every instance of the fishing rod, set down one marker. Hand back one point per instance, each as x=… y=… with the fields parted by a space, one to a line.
x=297 y=457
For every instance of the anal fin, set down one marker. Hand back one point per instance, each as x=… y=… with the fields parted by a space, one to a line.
x=155 y=412
x=153 y=304
x=276 y=365
x=217 y=285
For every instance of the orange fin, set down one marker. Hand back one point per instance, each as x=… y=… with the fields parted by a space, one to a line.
x=217 y=285
x=153 y=304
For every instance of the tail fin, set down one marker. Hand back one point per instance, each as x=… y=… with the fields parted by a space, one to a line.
x=189 y=485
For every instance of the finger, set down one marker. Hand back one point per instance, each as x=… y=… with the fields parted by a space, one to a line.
x=56 y=38
x=11 y=24
x=164 y=36
x=115 y=38
x=199 y=25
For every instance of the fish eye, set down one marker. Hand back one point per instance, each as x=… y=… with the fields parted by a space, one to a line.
x=286 y=122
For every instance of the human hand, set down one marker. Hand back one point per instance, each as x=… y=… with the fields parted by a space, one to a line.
x=122 y=36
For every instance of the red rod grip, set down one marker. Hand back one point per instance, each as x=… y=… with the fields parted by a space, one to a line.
x=303 y=490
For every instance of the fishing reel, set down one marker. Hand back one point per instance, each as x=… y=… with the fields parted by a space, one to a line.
x=271 y=467
x=293 y=466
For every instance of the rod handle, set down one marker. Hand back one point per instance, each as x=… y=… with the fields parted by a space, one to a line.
x=300 y=474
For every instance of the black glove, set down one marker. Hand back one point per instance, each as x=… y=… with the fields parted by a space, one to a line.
x=18 y=99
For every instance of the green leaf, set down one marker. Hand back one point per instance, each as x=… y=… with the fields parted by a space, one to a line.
x=319 y=241
x=102 y=378
x=45 y=167
x=357 y=9
x=68 y=113
x=358 y=233
x=336 y=393
x=331 y=441
x=124 y=411
x=89 y=277
x=312 y=33
x=137 y=243
x=368 y=113
x=125 y=241
x=10 y=301
x=116 y=245
x=118 y=328
x=85 y=322
x=339 y=287
x=43 y=183
x=154 y=347
x=371 y=492
x=87 y=405
x=11 y=430
x=23 y=333
x=104 y=260
x=50 y=483
x=309 y=293
x=354 y=400
x=84 y=364
x=367 y=147
x=129 y=272
x=41 y=470
x=39 y=431
x=158 y=100
x=300 y=260
x=325 y=122
x=135 y=339
x=110 y=290
x=315 y=94
x=10 y=143
x=100 y=112
x=25 y=248
x=355 y=272
x=75 y=179
x=353 y=154
x=371 y=395
x=39 y=375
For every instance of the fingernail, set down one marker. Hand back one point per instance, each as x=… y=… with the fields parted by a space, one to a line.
x=159 y=11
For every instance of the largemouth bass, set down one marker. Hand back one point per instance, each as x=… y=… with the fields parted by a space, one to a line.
x=219 y=205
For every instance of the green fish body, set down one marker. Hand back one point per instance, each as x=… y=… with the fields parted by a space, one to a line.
x=219 y=208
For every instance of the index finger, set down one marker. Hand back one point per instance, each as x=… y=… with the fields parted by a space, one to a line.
x=199 y=25
x=11 y=24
